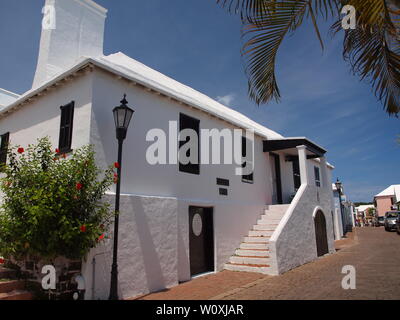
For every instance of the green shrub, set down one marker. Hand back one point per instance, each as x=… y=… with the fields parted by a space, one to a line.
x=52 y=203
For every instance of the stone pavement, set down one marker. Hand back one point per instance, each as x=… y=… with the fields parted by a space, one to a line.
x=373 y=252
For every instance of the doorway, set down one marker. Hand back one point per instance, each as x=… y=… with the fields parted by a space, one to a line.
x=276 y=178
x=201 y=240
x=320 y=233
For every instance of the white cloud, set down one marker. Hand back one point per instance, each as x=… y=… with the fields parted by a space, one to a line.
x=226 y=100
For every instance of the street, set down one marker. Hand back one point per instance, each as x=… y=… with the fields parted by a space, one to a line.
x=373 y=252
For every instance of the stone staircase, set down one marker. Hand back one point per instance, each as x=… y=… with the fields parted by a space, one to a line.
x=253 y=253
x=11 y=288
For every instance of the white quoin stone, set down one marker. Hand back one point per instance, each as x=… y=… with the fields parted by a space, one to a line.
x=71 y=29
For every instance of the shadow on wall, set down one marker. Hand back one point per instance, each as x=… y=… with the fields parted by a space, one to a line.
x=151 y=259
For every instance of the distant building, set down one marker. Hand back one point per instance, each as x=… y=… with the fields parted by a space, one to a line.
x=361 y=213
x=387 y=200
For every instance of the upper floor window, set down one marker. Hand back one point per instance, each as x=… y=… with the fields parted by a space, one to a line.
x=247 y=160
x=186 y=122
x=66 y=127
x=317 y=177
x=4 y=139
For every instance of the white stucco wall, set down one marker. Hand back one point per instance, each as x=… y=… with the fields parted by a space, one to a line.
x=41 y=117
x=147 y=257
x=234 y=215
x=293 y=242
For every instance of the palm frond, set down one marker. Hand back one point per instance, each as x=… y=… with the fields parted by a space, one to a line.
x=260 y=50
x=374 y=55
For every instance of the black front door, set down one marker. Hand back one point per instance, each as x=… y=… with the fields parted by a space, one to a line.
x=320 y=234
x=276 y=179
x=201 y=240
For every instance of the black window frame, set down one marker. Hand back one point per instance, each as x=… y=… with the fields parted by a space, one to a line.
x=66 y=127
x=249 y=178
x=188 y=122
x=317 y=175
x=4 y=142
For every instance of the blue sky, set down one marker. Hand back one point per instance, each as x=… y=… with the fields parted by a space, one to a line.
x=198 y=43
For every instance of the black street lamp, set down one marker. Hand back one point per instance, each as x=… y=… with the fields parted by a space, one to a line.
x=122 y=117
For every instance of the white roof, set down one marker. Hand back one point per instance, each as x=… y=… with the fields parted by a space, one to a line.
x=7 y=97
x=364 y=207
x=162 y=83
x=393 y=190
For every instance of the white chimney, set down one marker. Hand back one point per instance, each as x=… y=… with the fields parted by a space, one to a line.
x=71 y=29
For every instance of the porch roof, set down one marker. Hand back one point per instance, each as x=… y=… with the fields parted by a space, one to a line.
x=314 y=150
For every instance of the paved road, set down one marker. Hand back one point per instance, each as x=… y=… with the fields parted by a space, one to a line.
x=374 y=253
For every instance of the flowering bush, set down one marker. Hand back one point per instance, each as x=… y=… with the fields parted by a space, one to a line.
x=52 y=203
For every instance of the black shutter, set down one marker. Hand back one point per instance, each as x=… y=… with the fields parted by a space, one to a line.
x=250 y=177
x=186 y=122
x=66 y=127
x=296 y=174
x=4 y=147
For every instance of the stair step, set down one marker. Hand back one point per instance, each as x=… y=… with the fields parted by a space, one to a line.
x=261 y=233
x=277 y=207
x=254 y=246
x=264 y=269
x=11 y=285
x=256 y=239
x=249 y=260
x=252 y=253
x=266 y=222
x=265 y=227
x=16 y=295
x=272 y=216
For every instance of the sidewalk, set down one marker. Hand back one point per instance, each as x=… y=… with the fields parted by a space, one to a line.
x=374 y=253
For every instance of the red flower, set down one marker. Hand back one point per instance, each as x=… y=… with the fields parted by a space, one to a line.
x=21 y=150
x=79 y=186
x=57 y=150
x=2 y=261
x=83 y=228
x=115 y=175
x=116 y=165
x=101 y=237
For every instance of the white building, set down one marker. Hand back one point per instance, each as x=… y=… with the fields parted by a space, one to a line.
x=176 y=221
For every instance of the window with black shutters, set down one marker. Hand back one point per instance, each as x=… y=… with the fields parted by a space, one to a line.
x=317 y=177
x=296 y=174
x=66 y=127
x=186 y=122
x=248 y=161
x=4 y=139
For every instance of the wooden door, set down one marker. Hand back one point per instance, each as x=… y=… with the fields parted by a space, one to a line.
x=201 y=240
x=320 y=234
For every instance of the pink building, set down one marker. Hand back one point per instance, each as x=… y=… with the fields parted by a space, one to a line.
x=386 y=200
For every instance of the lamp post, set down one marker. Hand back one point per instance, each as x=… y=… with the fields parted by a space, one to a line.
x=122 y=117
x=338 y=185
